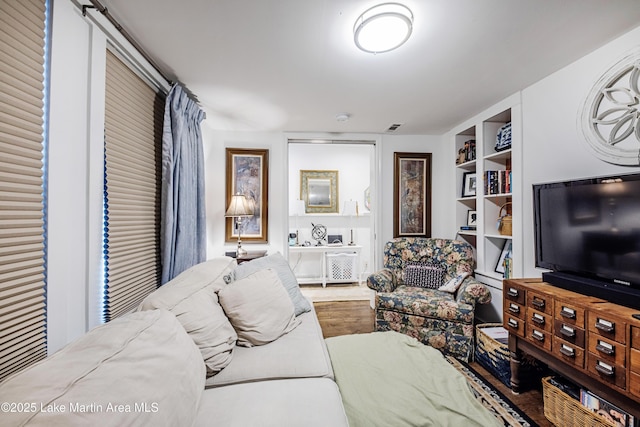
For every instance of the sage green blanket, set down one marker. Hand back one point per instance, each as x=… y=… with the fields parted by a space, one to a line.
x=392 y=380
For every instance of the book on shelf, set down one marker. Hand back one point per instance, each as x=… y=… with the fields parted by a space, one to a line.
x=468 y=227
x=497 y=182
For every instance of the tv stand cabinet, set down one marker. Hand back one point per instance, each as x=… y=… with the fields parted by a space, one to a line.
x=590 y=341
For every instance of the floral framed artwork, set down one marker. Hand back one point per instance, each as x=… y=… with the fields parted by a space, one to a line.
x=248 y=174
x=412 y=194
x=319 y=190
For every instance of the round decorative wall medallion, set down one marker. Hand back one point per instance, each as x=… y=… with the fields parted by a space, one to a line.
x=611 y=113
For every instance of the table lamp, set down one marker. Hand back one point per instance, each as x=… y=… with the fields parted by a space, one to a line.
x=239 y=207
x=350 y=209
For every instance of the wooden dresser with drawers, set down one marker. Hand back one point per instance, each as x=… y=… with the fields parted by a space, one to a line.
x=594 y=343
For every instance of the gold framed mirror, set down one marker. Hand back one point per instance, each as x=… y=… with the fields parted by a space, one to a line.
x=319 y=190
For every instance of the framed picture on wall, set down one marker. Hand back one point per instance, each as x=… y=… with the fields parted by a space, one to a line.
x=412 y=194
x=319 y=190
x=248 y=174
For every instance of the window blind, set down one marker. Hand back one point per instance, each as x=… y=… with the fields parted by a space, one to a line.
x=23 y=338
x=133 y=140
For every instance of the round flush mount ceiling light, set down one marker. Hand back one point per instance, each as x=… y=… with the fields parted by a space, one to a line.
x=383 y=28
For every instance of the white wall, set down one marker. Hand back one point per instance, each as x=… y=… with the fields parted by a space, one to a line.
x=554 y=148
x=352 y=161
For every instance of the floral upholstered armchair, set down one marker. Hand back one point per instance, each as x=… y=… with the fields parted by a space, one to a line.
x=441 y=319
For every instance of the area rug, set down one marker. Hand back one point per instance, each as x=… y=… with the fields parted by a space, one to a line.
x=491 y=398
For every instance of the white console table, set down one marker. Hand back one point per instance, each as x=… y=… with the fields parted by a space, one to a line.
x=297 y=252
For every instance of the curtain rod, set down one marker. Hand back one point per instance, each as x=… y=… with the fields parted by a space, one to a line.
x=103 y=9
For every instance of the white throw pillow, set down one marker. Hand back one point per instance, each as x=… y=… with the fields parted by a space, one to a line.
x=259 y=308
x=453 y=284
x=192 y=298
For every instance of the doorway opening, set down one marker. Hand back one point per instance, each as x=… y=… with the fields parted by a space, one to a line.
x=332 y=212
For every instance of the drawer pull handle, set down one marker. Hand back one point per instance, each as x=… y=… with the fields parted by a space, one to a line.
x=605 y=326
x=513 y=292
x=605 y=348
x=538 y=303
x=512 y=323
x=568 y=313
x=538 y=336
x=567 y=331
x=514 y=308
x=605 y=369
x=538 y=319
x=567 y=351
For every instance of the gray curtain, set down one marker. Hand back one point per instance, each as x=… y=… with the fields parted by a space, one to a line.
x=183 y=229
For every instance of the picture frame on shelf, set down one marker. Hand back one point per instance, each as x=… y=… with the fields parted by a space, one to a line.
x=506 y=253
x=472 y=216
x=469 y=184
x=247 y=173
x=411 y=194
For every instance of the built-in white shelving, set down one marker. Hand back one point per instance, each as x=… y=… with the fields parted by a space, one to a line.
x=487 y=239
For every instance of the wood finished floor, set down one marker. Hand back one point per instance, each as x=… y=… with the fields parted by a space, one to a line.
x=357 y=317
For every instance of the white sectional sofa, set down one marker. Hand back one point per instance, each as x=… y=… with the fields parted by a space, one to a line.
x=176 y=360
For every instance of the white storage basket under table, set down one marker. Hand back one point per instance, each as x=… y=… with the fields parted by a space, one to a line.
x=339 y=264
x=342 y=267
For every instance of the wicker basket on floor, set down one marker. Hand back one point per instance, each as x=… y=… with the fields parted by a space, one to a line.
x=563 y=410
x=493 y=355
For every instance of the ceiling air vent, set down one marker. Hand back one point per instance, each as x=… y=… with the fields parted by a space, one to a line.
x=394 y=127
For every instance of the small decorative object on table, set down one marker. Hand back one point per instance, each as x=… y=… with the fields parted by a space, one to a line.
x=319 y=232
x=334 y=239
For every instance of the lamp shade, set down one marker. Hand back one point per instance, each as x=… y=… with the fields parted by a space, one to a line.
x=350 y=208
x=296 y=208
x=239 y=206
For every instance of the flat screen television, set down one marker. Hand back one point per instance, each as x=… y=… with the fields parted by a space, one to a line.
x=587 y=232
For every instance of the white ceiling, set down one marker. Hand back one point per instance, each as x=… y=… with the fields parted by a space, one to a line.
x=291 y=65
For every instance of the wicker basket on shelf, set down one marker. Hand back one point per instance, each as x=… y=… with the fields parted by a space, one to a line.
x=505 y=219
